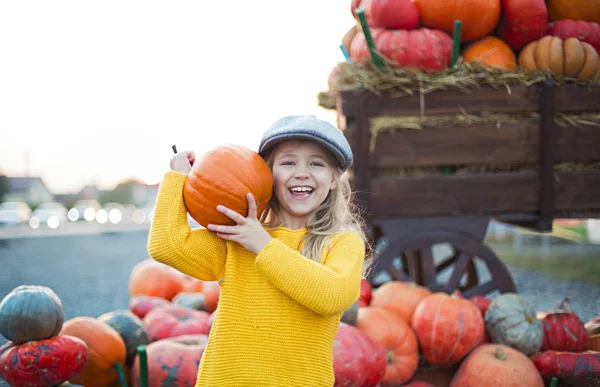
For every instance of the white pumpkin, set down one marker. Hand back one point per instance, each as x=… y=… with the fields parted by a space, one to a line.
x=510 y=320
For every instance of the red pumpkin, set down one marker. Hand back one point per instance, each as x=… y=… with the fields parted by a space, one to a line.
x=448 y=327
x=482 y=303
x=400 y=297
x=574 y=369
x=353 y=355
x=141 y=305
x=398 y=340
x=174 y=320
x=366 y=6
x=424 y=49
x=588 y=32
x=42 y=363
x=497 y=365
x=522 y=21
x=212 y=293
x=563 y=330
x=366 y=292
x=172 y=362
x=153 y=278
x=224 y=176
x=394 y=14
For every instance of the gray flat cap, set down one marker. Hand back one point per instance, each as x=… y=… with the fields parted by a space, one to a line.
x=308 y=127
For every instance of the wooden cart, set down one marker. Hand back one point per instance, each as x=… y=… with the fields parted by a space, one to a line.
x=410 y=214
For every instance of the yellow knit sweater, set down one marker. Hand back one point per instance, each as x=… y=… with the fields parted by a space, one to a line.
x=278 y=311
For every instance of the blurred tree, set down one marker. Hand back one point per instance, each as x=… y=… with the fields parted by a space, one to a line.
x=4 y=187
x=121 y=194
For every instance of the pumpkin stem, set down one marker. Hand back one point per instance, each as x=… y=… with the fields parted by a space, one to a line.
x=390 y=357
x=143 y=356
x=121 y=375
x=565 y=305
x=553 y=382
x=500 y=355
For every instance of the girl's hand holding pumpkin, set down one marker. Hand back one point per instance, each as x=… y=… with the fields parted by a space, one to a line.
x=183 y=161
x=248 y=232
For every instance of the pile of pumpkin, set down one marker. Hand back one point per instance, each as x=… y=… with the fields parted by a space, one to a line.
x=169 y=315
x=424 y=339
x=560 y=36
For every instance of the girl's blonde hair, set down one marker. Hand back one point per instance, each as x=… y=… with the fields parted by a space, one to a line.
x=336 y=214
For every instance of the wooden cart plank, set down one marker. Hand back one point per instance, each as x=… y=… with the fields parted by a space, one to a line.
x=478 y=145
x=483 y=194
x=521 y=99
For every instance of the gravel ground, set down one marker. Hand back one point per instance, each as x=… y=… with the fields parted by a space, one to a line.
x=90 y=273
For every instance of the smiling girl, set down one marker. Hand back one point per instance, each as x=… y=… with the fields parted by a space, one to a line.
x=287 y=277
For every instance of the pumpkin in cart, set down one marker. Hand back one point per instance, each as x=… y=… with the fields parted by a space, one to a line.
x=423 y=49
x=510 y=320
x=29 y=313
x=522 y=21
x=448 y=327
x=491 y=52
x=172 y=362
x=499 y=366
x=140 y=305
x=42 y=363
x=588 y=32
x=106 y=348
x=399 y=297
x=482 y=303
x=581 y=369
x=569 y=58
x=586 y=10
x=224 y=176
x=394 y=14
x=131 y=329
x=563 y=330
x=478 y=17
x=398 y=340
x=152 y=278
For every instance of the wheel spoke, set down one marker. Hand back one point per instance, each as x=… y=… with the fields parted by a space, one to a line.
x=480 y=290
x=397 y=274
x=428 y=266
x=459 y=269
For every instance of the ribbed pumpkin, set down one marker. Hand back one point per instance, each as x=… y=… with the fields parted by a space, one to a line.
x=448 y=327
x=155 y=279
x=30 y=312
x=140 y=305
x=348 y=37
x=499 y=366
x=510 y=320
x=569 y=58
x=42 y=363
x=563 y=329
x=424 y=49
x=491 y=52
x=588 y=32
x=587 y=10
x=399 y=297
x=396 y=337
x=106 y=348
x=174 y=320
x=224 y=176
x=479 y=17
x=130 y=328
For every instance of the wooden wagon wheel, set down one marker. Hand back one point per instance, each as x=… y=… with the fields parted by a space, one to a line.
x=411 y=259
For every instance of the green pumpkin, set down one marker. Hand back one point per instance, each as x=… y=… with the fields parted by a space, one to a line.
x=130 y=328
x=511 y=320
x=31 y=313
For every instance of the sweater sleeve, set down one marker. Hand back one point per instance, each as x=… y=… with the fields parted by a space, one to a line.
x=327 y=289
x=199 y=252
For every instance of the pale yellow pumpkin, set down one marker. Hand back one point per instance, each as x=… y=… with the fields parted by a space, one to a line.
x=564 y=58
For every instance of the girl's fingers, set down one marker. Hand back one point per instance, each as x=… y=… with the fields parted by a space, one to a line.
x=251 y=206
x=223 y=229
x=228 y=237
x=239 y=219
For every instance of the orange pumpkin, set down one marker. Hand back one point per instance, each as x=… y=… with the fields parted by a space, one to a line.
x=478 y=17
x=400 y=297
x=192 y=285
x=396 y=337
x=448 y=327
x=224 y=176
x=155 y=279
x=569 y=58
x=497 y=365
x=587 y=10
x=105 y=349
x=212 y=293
x=491 y=52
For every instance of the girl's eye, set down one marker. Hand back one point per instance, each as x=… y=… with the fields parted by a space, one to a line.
x=287 y=163
x=318 y=164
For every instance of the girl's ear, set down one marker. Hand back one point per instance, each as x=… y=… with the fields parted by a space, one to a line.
x=333 y=183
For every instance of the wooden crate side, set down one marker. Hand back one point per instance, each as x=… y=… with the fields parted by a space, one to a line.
x=484 y=194
x=516 y=99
